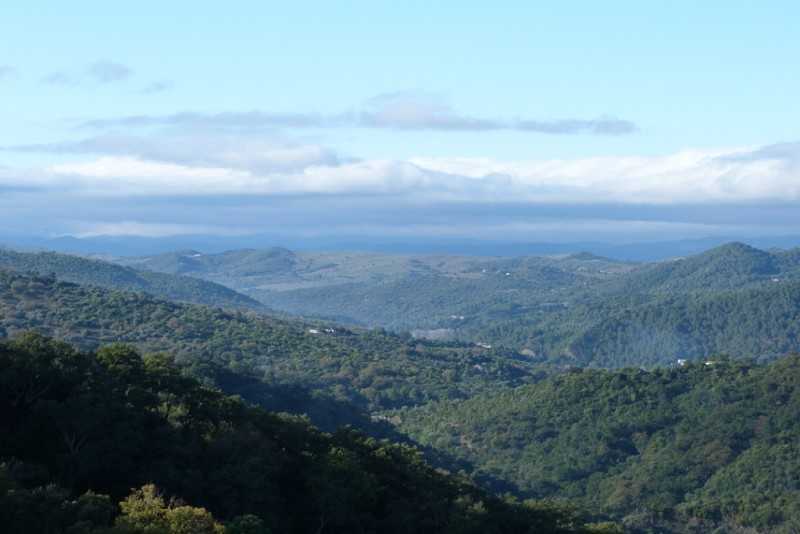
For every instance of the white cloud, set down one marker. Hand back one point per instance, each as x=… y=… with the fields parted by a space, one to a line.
x=738 y=175
x=689 y=176
x=135 y=228
x=122 y=176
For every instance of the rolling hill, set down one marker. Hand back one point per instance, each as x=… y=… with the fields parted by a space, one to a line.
x=708 y=445
x=578 y=310
x=104 y=274
x=369 y=369
x=661 y=450
x=81 y=429
x=727 y=267
x=392 y=291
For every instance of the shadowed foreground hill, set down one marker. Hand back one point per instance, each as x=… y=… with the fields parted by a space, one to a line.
x=79 y=430
x=717 y=442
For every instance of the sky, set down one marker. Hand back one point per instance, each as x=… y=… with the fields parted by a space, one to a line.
x=512 y=120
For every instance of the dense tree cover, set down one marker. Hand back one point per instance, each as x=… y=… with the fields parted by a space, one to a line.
x=79 y=430
x=580 y=310
x=681 y=449
x=731 y=266
x=702 y=444
x=734 y=299
x=576 y=310
x=104 y=274
x=441 y=298
x=422 y=301
x=371 y=370
x=652 y=330
x=392 y=291
x=763 y=322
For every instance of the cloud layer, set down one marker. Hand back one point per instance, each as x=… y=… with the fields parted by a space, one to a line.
x=411 y=111
x=105 y=71
x=231 y=164
x=233 y=172
x=101 y=72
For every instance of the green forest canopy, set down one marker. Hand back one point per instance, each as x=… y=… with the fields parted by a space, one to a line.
x=81 y=429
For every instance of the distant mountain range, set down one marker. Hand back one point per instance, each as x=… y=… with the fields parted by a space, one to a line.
x=400 y=292
x=420 y=245
x=578 y=309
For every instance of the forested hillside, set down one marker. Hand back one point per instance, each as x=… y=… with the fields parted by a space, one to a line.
x=393 y=291
x=733 y=299
x=728 y=267
x=714 y=442
x=369 y=369
x=679 y=449
x=79 y=430
x=103 y=274
x=652 y=330
x=572 y=310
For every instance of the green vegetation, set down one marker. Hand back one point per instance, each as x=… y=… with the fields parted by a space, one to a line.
x=734 y=299
x=728 y=267
x=103 y=274
x=683 y=448
x=370 y=370
x=576 y=310
x=703 y=444
x=392 y=291
x=80 y=429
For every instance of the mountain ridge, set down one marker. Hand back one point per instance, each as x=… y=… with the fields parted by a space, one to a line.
x=88 y=271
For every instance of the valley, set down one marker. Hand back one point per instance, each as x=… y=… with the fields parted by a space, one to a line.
x=576 y=378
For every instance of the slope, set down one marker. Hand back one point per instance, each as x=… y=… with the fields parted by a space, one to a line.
x=730 y=266
x=372 y=369
x=675 y=446
x=103 y=274
x=79 y=430
x=392 y=291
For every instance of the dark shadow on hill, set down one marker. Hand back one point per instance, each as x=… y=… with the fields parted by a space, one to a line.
x=330 y=414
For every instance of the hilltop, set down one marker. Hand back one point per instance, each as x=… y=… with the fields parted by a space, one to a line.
x=727 y=267
x=108 y=275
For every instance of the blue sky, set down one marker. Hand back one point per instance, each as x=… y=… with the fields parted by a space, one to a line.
x=400 y=107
